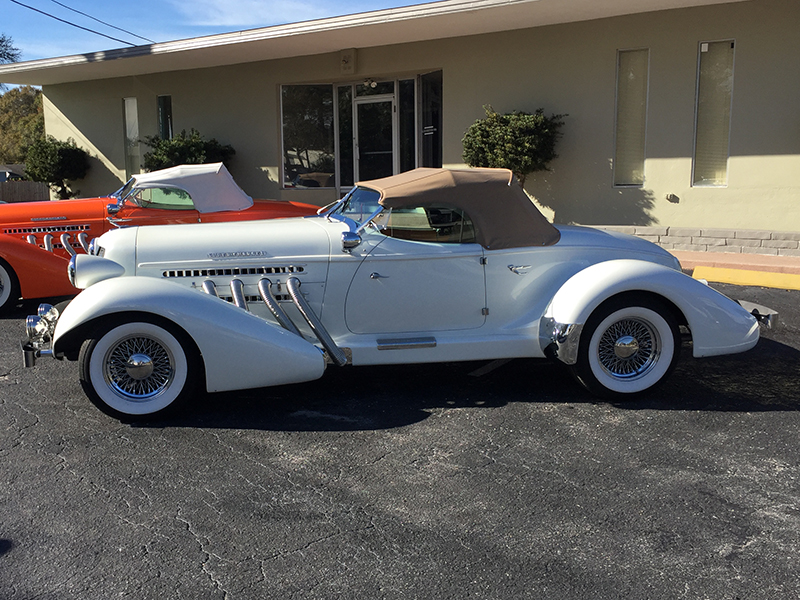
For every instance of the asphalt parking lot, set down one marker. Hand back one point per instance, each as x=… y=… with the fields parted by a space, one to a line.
x=428 y=481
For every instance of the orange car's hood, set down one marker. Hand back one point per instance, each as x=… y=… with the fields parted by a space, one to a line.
x=24 y=213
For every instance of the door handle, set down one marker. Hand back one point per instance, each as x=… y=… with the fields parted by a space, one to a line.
x=377 y=276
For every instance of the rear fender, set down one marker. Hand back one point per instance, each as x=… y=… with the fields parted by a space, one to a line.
x=239 y=349
x=717 y=323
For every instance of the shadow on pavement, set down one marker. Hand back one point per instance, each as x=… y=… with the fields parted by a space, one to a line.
x=359 y=398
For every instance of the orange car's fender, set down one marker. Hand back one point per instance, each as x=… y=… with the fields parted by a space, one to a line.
x=40 y=273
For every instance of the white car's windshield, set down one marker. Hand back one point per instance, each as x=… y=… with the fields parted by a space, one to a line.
x=359 y=205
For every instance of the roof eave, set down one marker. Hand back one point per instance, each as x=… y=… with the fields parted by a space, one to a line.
x=450 y=18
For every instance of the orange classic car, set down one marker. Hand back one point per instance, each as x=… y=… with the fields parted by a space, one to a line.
x=38 y=238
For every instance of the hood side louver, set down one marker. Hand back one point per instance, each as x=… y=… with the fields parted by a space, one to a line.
x=231 y=271
x=47 y=229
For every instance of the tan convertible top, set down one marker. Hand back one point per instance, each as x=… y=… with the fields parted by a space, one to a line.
x=503 y=215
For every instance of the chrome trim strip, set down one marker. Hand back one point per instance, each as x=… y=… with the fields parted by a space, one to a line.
x=237 y=291
x=284 y=321
x=67 y=245
x=209 y=288
x=407 y=343
x=336 y=354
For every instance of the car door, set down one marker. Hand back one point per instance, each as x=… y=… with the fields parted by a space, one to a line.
x=424 y=276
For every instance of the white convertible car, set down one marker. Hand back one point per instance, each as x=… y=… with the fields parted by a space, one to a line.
x=431 y=265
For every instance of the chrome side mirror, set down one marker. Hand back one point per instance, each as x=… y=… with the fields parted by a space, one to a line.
x=350 y=240
x=113 y=209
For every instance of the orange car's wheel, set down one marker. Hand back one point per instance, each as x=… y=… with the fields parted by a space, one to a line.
x=9 y=286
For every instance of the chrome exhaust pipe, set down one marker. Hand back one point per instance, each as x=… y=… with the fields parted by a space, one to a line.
x=237 y=291
x=48 y=242
x=337 y=354
x=273 y=306
x=67 y=245
x=209 y=288
x=83 y=240
x=31 y=239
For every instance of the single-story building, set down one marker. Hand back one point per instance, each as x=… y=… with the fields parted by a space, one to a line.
x=683 y=116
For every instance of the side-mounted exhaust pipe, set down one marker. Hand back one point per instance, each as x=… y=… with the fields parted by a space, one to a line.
x=273 y=306
x=337 y=354
x=237 y=291
x=67 y=245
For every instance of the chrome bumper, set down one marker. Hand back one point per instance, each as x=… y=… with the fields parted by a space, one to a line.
x=765 y=316
x=562 y=340
x=39 y=328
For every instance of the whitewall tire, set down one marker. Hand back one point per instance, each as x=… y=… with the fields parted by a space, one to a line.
x=137 y=368
x=9 y=288
x=628 y=346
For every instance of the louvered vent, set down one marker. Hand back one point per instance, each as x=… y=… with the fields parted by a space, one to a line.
x=233 y=271
x=257 y=299
x=48 y=229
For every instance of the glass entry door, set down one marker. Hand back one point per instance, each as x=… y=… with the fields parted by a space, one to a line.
x=376 y=138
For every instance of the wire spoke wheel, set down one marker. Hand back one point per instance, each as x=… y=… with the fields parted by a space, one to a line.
x=628 y=345
x=139 y=368
x=629 y=348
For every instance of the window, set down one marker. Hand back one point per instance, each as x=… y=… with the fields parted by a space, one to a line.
x=165 y=117
x=164 y=198
x=345 y=156
x=133 y=153
x=713 y=113
x=307 y=122
x=335 y=135
x=431 y=119
x=407 y=124
x=436 y=223
x=632 y=83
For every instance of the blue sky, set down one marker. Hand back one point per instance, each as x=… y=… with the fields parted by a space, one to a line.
x=39 y=36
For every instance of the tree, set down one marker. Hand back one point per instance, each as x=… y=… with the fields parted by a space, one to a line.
x=185 y=149
x=8 y=53
x=21 y=123
x=56 y=163
x=519 y=141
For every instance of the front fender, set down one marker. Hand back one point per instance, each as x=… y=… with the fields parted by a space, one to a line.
x=41 y=274
x=717 y=323
x=240 y=350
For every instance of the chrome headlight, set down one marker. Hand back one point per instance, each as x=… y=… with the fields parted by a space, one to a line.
x=37 y=329
x=85 y=270
x=48 y=313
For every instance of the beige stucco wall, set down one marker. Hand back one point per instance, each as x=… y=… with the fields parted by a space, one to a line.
x=563 y=69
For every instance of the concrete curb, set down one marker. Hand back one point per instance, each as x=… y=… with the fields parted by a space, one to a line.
x=781 y=272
